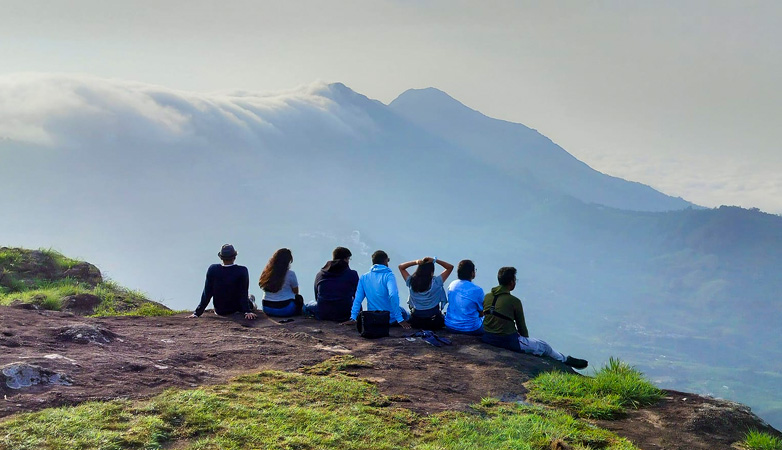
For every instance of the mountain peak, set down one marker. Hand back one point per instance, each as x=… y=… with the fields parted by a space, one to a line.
x=431 y=98
x=342 y=94
x=428 y=91
x=333 y=90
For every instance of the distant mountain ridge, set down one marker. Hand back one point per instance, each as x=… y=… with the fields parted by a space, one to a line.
x=517 y=150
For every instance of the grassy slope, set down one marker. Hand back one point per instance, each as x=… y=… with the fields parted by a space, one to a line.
x=615 y=387
x=280 y=410
x=48 y=293
x=757 y=440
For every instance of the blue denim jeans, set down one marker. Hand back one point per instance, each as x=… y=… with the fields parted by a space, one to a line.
x=287 y=311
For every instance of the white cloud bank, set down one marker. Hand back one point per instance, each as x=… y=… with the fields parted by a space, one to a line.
x=708 y=181
x=73 y=110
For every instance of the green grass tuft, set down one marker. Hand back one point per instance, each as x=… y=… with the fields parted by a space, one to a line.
x=115 y=299
x=614 y=387
x=113 y=294
x=757 y=440
x=278 y=410
x=152 y=310
x=60 y=260
x=336 y=364
x=144 y=310
x=10 y=256
x=513 y=426
x=19 y=283
x=47 y=294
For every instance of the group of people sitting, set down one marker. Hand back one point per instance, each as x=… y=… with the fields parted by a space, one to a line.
x=497 y=317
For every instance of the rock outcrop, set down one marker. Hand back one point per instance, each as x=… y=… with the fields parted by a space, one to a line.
x=32 y=279
x=26 y=268
x=18 y=376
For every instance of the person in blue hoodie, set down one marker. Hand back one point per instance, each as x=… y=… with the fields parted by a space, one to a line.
x=379 y=287
x=335 y=286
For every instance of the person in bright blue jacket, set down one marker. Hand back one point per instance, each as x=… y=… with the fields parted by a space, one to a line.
x=379 y=287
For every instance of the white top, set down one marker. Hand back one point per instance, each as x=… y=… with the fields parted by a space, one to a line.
x=286 y=291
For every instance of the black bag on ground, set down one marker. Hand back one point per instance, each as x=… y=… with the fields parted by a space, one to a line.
x=434 y=322
x=373 y=324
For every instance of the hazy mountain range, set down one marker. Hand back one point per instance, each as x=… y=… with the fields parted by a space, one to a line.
x=148 y=182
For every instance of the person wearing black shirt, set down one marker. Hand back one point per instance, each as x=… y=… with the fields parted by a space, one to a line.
x=335 y=287
x=227 y=285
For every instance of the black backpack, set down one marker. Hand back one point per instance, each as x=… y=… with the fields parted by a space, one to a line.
x=373 y=324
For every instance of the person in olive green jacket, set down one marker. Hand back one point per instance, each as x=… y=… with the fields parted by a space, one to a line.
x=505 y=327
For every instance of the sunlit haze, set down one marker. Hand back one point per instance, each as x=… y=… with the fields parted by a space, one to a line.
x=682 y=96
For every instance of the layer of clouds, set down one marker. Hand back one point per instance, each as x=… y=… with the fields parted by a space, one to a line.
x=67 y=111
x=701 y=179
x=74 y=110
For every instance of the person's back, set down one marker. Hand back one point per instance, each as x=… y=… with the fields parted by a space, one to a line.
x=465 y=306
x=280 y=286
x=427 y=294
x=379 y=287
x=227 y=286
x=465 y=302
x=335 y=286
x=432 y=298
x=505 y=326
x=507 y=318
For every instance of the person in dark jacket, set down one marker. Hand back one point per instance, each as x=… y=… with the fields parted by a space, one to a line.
x=335 y=287
x=227 y=284
x=505 y=327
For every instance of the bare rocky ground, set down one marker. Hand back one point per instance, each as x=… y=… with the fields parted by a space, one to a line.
x=82 y=359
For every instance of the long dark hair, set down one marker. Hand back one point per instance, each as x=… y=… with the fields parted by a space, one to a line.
x=273 y=275
x=421 y=280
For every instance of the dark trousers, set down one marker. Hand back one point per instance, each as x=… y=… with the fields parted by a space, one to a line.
x=427 y=319
x=335 y=310
x=507 y=341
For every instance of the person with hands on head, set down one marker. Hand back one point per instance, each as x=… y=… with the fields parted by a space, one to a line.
x=227 y=284
x=379 y=287
x=427 y=294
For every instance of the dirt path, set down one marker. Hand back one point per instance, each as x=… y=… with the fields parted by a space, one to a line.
x=136 y=357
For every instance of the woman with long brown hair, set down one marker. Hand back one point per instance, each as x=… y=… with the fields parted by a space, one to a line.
x=427 y=294
x=280 y=287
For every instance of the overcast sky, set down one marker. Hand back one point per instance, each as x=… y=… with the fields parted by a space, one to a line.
x=682 y=95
